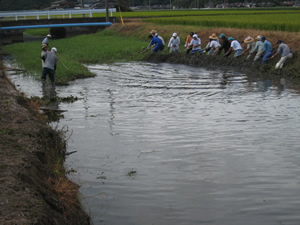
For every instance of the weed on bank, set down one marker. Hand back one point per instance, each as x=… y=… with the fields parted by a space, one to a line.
x=102 y=47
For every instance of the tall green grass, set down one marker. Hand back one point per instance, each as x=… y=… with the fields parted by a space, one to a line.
x=278 y=22
x=201 y=12
x=102 y=47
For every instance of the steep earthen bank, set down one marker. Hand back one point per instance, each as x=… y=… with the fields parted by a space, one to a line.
x=290 y=69
x=33 y=185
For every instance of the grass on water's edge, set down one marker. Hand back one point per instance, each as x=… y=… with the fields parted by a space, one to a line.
x=102 y=47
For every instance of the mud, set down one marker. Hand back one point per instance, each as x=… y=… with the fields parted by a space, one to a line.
x=33 y=185
x=290 y=69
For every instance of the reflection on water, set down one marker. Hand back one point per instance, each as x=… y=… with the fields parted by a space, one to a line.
x=208 y=147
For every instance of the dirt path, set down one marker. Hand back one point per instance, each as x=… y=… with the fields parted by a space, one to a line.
x=33 y=185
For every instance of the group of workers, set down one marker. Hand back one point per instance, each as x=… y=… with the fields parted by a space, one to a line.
x=49 y=61
x=259 y=49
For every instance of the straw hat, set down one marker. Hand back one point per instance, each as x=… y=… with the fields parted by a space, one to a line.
x=44 y=46
x=248 y=39
x=213 y=36
x=153 y=31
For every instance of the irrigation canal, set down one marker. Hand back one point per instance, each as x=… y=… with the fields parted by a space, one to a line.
x=172 y=144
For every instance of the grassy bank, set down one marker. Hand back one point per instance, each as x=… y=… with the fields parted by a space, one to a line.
x=124 y=43
x=102 y=47
x=140 y=30
x=34 y=188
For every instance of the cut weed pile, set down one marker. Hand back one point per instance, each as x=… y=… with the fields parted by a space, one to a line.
x=34 y=188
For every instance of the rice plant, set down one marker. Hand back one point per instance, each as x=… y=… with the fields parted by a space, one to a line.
x=278 y=22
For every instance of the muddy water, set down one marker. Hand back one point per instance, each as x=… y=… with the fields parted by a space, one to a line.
x=170 y=144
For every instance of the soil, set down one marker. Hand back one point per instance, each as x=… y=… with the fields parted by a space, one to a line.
x=291 y=68
x=33 y=190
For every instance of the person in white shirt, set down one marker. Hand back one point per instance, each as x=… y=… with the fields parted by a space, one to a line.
x=195 y=44
x=213 y=45
x=235 y=46
x=160 y=37
x=174 y=43
x=46 y=40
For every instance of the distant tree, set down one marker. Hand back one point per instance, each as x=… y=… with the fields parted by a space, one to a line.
x=9 y=5
x=197 y=4
x=182 y=3
x=124 y=6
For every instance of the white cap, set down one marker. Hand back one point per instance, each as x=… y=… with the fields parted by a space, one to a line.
x=174 y=34
x=48 y=35
x=156 y=34
x=195 y=35
x=53 y=49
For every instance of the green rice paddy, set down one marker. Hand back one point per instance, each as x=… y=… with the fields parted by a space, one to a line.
x=279 y=22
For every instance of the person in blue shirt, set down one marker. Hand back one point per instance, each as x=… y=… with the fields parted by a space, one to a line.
x=267 y=51
x=157 y=43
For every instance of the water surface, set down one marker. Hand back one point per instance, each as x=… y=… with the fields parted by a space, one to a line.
x=171 y=144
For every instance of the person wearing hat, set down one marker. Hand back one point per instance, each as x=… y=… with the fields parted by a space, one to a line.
x=46 y=40
x=188 y=40
x=153 y=32
x=225 y=44
x=234 y=46
x=284 y=51
x=213 y=45
x=259 y=47
x=174 y=43
x=43 y=53
x=50 y=60
x=250 y=46
x=156 y=44
x=267 y=51
x=195 y=44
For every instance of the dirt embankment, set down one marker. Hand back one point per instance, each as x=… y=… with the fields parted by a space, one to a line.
x=290 y=69
x=33 y=185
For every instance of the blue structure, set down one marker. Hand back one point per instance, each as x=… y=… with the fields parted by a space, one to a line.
x=56 y=25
